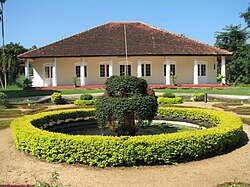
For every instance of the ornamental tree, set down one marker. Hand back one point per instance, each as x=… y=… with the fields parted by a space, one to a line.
x=126 y=104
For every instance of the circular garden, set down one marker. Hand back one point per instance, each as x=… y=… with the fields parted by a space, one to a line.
x=127 y=148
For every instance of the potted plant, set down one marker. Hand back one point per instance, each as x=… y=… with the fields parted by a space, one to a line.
x=220 y=78
x=173 y=79
x=74 y=80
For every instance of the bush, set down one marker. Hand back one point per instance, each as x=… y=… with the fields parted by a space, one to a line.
x=168 y=95
x=84 y=102
x=127 y=150
x=165 y=100
x=3 y=99
x=86 y=97
x=56 y=98
x=198 y=96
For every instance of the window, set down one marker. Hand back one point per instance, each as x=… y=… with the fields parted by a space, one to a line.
x=104 y=70
x=122 y=70
x=78 y=71
x=48 y=72
x=145 y=70
x=148 y=70
x=202 y=69
x=85 y=71
x=172 y=69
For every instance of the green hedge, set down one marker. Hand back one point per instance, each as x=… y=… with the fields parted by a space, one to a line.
x=84 y=102
x=137 y=150
x=165 y=100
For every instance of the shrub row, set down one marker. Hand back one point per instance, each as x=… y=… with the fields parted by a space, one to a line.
x=165 y=100
x=137 y=150
x=84 y=102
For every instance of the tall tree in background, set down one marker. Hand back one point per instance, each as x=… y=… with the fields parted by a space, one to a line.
x=235 y=39
x=2 y=21
x=246 y=16
x=12 y=66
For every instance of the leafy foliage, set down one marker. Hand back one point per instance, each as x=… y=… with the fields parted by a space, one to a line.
x=126 y=99
x=86 y=97
x=198 y=96
x=84 y=102
x=168 y=94
x=127 y=150
x=246 y=16
x=3 y=99
x=56 y=98
x=234 y=39
x=166 y=100
x=11 y=66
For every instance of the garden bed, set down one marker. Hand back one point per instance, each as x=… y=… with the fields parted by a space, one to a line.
x=125 y=150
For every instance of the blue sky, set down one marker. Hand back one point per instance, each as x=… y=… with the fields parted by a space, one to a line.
x=33 y=22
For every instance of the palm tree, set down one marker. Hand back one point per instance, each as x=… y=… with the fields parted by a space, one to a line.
x=2 y=20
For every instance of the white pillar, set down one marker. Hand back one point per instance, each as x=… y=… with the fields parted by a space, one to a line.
x=26 y=70
x=110 y=67
x=167 y=78
x=223 y=69
x=196 y=80
x=82 y=73
x=139 y=73
x=54 y=75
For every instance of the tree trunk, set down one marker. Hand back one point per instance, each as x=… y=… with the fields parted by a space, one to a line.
x=5 y=80
x=127 y=127
x=1 y=82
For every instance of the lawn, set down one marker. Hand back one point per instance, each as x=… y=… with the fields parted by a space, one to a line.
x=17 y=93
x=223 y=91
x=4 y=123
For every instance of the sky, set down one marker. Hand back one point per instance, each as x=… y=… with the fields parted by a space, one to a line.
x=33 y=22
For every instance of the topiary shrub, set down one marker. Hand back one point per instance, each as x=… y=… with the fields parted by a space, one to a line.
x=86 y=97
x=84 y=102
x=165 y=100
x=126 y=100
x=3 y=99
x=56 y=98
x=198 y=96
x=168 y=94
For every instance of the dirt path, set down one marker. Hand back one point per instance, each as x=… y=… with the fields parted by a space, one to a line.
x=15 y=167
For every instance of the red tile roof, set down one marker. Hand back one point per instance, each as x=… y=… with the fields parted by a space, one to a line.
x=108 y=40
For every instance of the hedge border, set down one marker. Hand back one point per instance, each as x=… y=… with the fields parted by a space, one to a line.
x=138 y=150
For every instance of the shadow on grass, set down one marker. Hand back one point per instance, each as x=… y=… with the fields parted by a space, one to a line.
x=27 y=93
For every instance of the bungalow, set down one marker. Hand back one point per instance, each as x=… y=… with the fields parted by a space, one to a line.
x=124 y=48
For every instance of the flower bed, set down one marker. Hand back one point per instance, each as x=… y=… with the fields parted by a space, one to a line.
x=126 y=150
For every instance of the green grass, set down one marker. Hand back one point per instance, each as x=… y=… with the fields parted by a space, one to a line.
x=223 y=91
x=17 y=93
x=4 y=123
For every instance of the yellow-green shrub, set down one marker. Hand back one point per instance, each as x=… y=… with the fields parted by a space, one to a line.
x=84 y=102
x=114 y=151
x=198 y=96
x=165 y=100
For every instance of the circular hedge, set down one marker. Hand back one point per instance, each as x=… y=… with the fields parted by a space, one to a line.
x=127 y=150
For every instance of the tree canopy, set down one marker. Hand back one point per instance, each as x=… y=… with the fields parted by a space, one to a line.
x=234 y=38
x=126 y=100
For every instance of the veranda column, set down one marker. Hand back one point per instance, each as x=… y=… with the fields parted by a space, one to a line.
x=110 y=67
x=54 y=74
x=223 y=69
x=167 y=78
x=82 y=73
x=26 y=70
x=139 y=73
x=196 y=80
